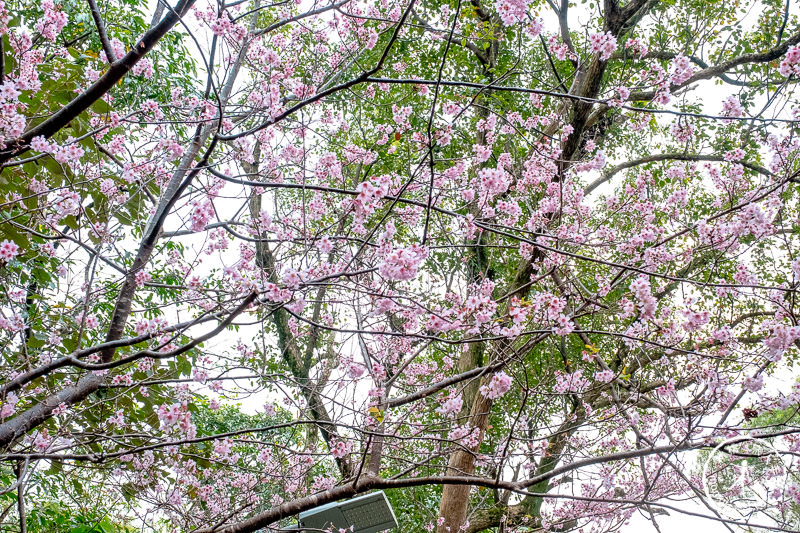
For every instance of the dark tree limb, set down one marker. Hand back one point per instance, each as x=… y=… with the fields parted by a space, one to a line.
x=84 y=101
x=101 y=31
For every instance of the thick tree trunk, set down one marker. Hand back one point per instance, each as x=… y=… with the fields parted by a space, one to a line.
x=455 y=498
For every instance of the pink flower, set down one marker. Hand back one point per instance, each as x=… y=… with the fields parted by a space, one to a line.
x=695 y=319
x=322 y=483
x=92 y=322
x=42 y=440
x=355 y=371
x=574 y=382
x=732 y=107
x=341 y=448
x=680 y=70
x=645 y=300
x=223 y=448
x=518 y=313
x=734 y=155
x=143 y=277
x=202 y=212
x=401 y=115
x=754 y=383
x=121 y=379
x=325 y=245
x=791 y=62
x=494 y=181
x=292 y=280
x=169 y=415
x=682 y=131
x=723 y=335
x=368 y=196
x=402 y=263
x=439 y=324
x=9 y=405
x=274 y=293
x=108 y=187
x=118 y=419
x=143 y=68
x=512 y=11
x=604 y=376
x=779 y=339
x=8 y=91
x=8 y=250
x=71 y=152
x=482 y=153
x=497 y=387
x=564 y=326
x=603 y=43
x=38 y=143
x=384 y=305
x=451 y=405
x=52 y=22
x=636 y=46
x=297 y=305
x=667 y=391
x=118 y=47
x=372 y=39
x=65 y=204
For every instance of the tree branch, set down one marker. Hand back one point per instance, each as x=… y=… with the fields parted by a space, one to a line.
x=101 y=31
x=115 y=73
x=718 y=70
x=607 y=175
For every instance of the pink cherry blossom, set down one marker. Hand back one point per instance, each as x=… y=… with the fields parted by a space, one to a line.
x=603 y=43
x=453 y=404
x=401 y=264
x=790 y=64
x=202 y=213
x=572 y=383
x=732 y=107
x=8 y=250
x=754 y=383
x=680 y=70
x=498 y=386
x=512 y=11
x=604 y=376
x=9 y=405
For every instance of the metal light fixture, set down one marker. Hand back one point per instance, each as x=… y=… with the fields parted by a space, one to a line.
x=367 y=514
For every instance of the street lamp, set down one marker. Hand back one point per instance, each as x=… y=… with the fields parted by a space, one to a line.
x=367 y=514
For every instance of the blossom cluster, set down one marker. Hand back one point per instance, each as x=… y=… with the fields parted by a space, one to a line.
x=603 y=43
x=790 y=64
x=498 y=386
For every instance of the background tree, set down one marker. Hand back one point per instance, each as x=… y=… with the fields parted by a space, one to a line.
x=516 y=263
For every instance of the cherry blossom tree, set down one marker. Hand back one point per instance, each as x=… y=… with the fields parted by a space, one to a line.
x=524 y=265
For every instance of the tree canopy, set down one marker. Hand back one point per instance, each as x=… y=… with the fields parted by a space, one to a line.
x=524 y=265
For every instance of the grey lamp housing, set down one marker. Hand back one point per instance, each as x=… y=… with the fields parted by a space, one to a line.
x=369 y=513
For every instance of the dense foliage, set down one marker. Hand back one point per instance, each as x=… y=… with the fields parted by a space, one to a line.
x=524 y=265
